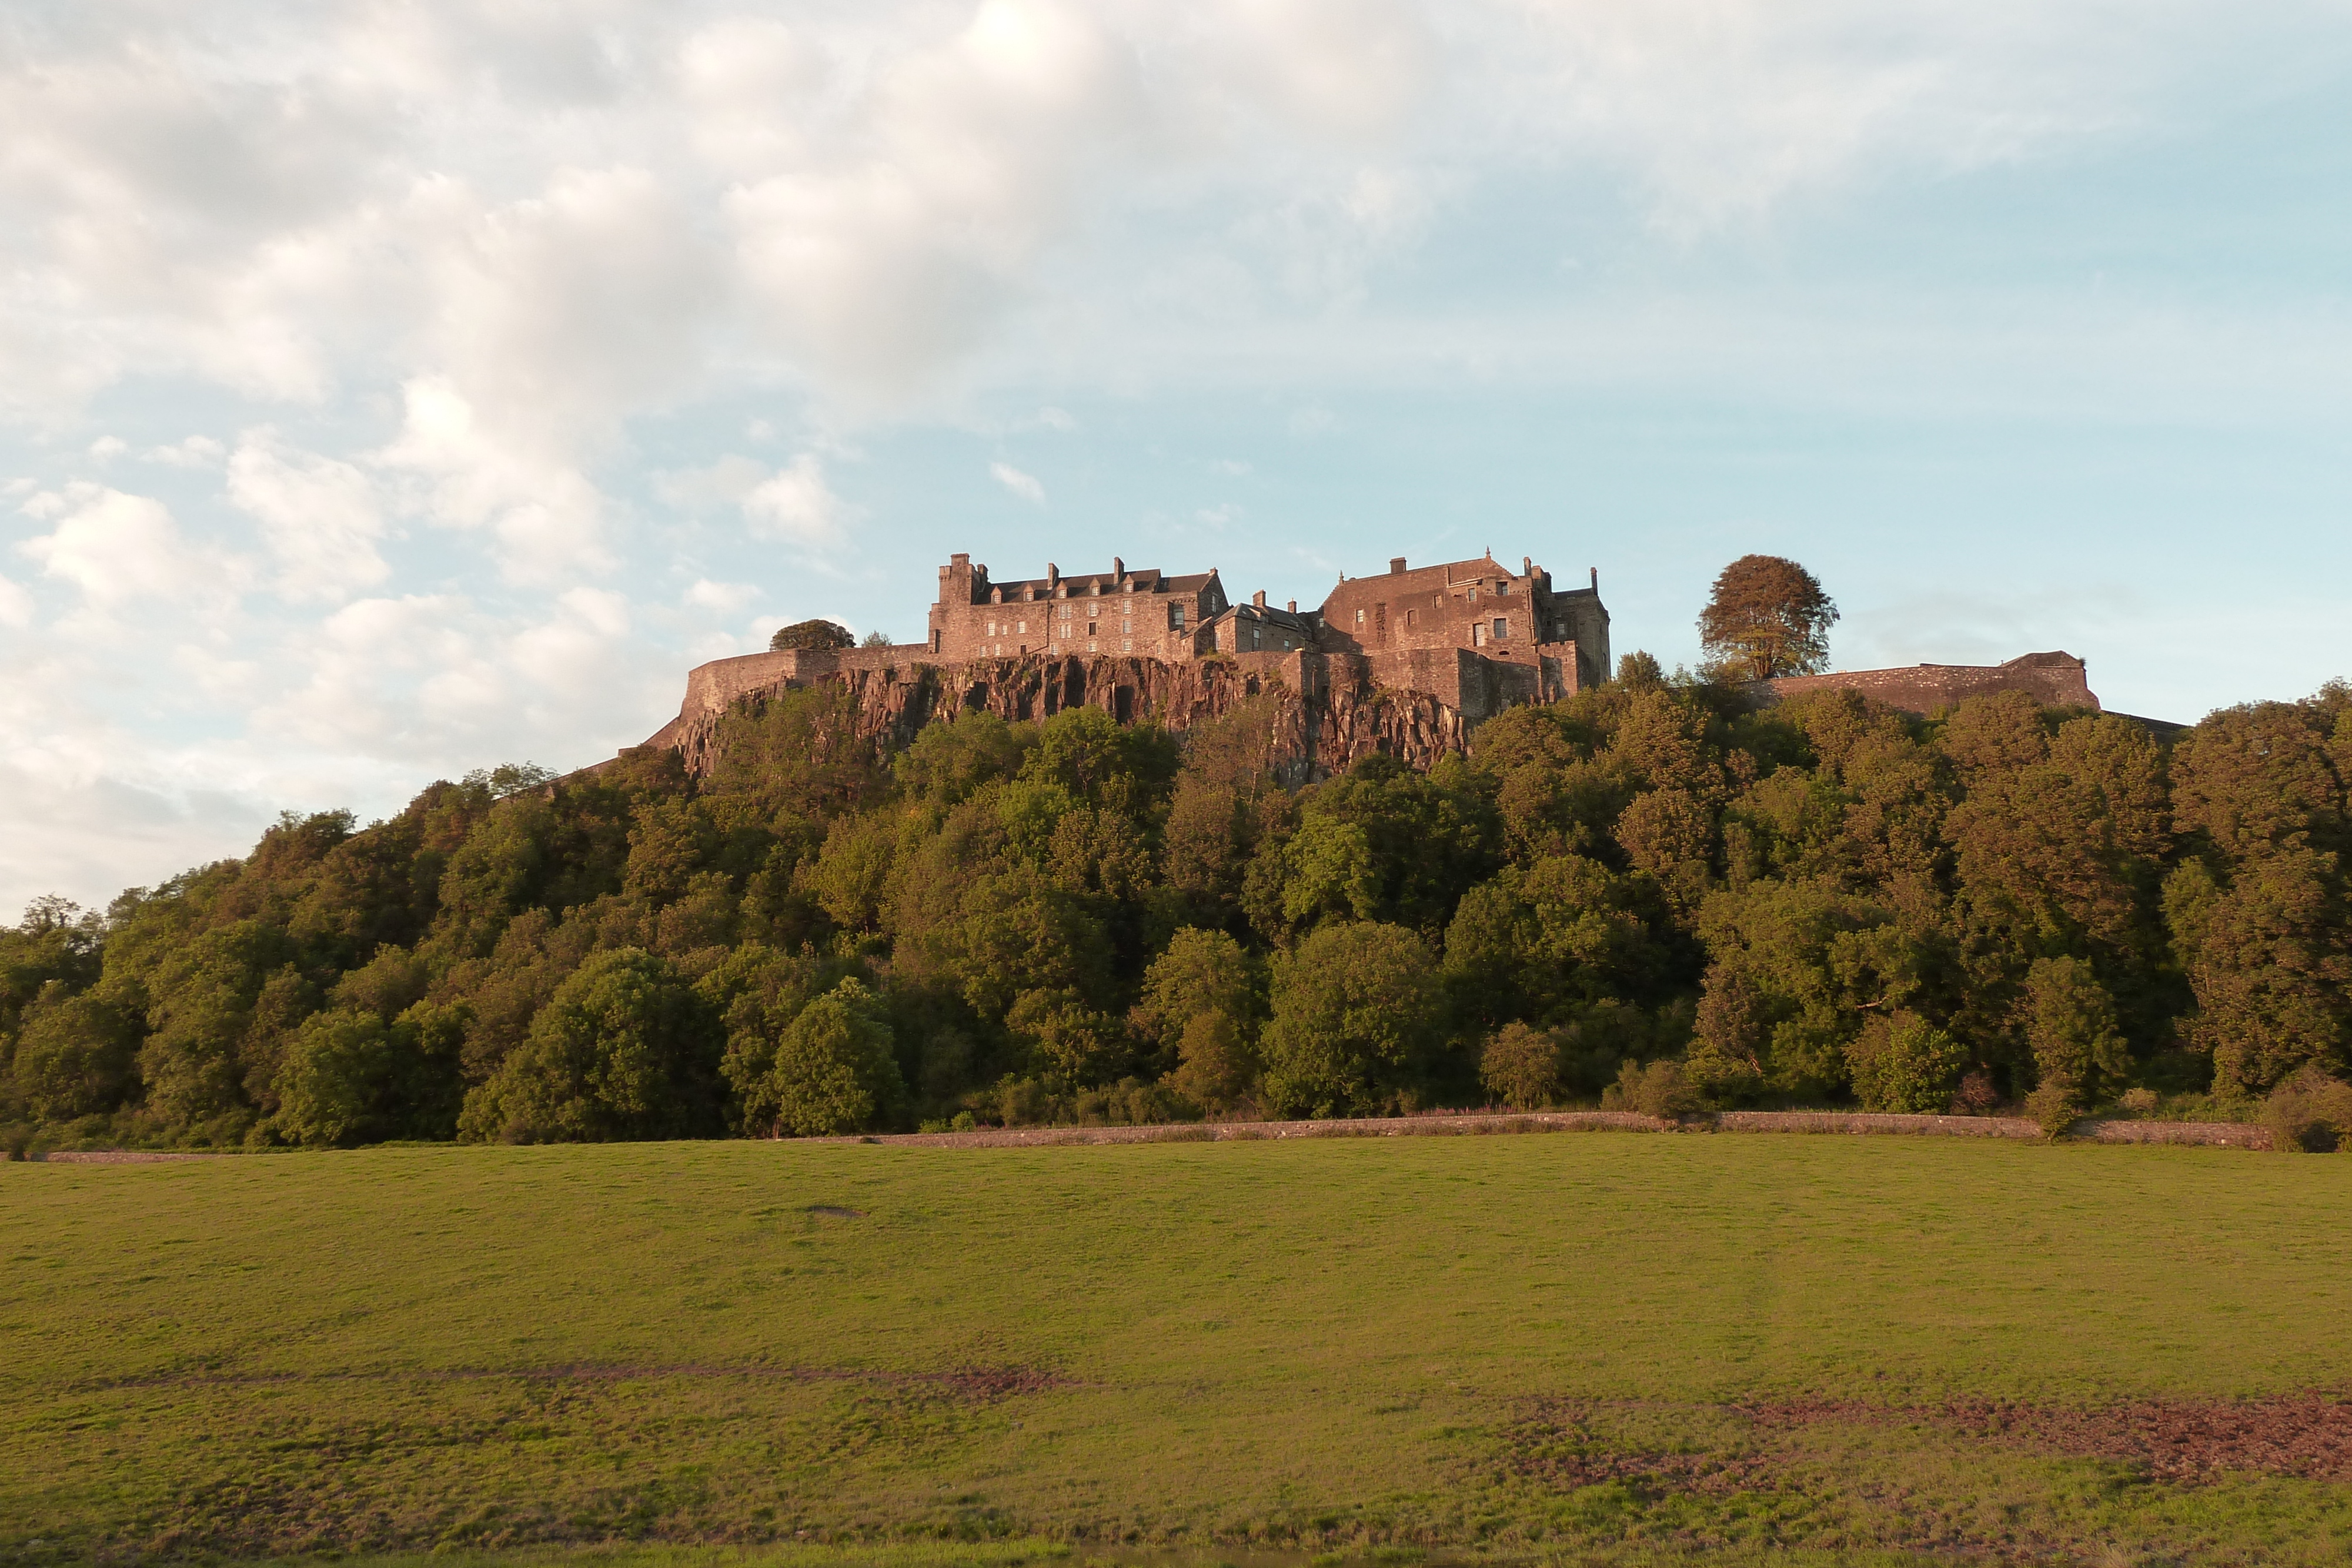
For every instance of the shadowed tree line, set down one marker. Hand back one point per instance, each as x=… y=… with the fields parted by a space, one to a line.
x=1651 y=893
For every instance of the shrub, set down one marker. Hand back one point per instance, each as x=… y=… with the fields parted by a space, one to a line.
x=1520 y=1067
x=2310 y=1113
x=1904 y=1065
x=1662 y=1089
x=2136 y=1102
x=2056 y=1104
x=1975 y=1096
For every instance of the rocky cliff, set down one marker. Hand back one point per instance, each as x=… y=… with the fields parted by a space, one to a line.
x=1329 y=712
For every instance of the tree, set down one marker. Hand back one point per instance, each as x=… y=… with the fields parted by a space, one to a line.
x=623 y=1050
x=833 y=1071
x=76 y=1056
x=1356 y=1021
x=1902 y=1063
x=1200 y=973
x=875 y=639
x=1767 y=616
x=1520 y=1067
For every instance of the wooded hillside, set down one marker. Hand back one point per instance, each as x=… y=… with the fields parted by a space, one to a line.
x=1816 y=904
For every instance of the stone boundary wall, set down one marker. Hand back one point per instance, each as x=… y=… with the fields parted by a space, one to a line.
x=2210 y=1135
x=1249 y=1132
x=2206 y=1134
x=1869 y=1121
x=120 y=1156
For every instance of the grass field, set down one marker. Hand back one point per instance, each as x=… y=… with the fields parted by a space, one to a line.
x=1592 y=1346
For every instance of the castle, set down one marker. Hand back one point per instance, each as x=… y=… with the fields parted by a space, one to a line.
x=1404 y=662
x=1454 y=630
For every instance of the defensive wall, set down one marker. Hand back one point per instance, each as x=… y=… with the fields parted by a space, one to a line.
x=2054 y=679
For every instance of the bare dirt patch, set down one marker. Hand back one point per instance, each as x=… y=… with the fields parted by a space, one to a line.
x=2306 y=1434
x=1573 y=1443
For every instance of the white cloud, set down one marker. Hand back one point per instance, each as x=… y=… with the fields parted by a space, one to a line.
x=796 y=505
x=721 y=483
x=548 y=519
x=16 y=605
x=320 y=517
x=107 y=446
x=195 y=452
x=116 y=547
x=723 y=597
x=1025 y=486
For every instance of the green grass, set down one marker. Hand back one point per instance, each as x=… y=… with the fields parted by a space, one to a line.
x=1298 y=1346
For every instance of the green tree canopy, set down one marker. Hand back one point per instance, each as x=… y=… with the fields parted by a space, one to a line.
x=1767 y=616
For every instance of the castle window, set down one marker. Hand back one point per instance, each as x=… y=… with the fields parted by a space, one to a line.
x=1176 y=617
x=1127 y=645
x=1477 y=633
x=1093 y=611
x=1021 y=625
x=1503 y=588
x=1412 y=619
x=992 y=628
x=1127 y=626
x=1360 y=618
x=1253 y=636
x=1473 y=593
x=1092 y=628
x=1502 y=628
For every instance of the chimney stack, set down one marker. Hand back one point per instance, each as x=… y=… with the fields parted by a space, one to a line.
x=1396 y=565
x=1596 y=580
x=1053 y=577
x=1258 y=599
x=1293 y=607
x=1118 y=569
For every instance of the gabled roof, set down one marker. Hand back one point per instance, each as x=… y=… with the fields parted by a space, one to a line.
x=1295 y=621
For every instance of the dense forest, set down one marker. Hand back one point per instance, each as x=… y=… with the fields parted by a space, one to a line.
x=1651 y=893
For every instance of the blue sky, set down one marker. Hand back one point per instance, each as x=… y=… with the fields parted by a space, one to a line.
x=394 y=391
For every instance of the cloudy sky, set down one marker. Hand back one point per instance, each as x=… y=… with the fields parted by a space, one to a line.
x=392 y=389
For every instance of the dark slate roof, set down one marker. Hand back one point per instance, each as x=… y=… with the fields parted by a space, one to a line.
x=1295 y=621
x=1147 y=580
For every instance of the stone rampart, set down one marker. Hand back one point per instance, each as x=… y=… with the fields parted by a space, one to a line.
x=2054 y=679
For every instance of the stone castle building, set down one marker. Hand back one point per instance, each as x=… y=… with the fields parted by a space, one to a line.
x=1404 y=662
x=1456 y=630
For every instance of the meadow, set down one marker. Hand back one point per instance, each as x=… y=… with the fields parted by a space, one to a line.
x=1581 y=1347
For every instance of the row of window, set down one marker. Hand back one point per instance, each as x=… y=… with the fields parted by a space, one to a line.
x=1000 y=629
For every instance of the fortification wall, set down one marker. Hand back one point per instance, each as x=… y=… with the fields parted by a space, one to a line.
x=2054 y=679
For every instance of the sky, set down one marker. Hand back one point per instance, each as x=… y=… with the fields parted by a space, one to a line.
x=391 y=389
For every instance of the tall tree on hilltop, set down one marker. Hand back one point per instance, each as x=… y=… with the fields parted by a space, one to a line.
x=1767 y=616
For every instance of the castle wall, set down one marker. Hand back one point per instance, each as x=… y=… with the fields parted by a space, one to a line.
x=2054 y=679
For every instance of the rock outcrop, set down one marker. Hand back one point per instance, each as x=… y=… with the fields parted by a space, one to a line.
x=1329 y=712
